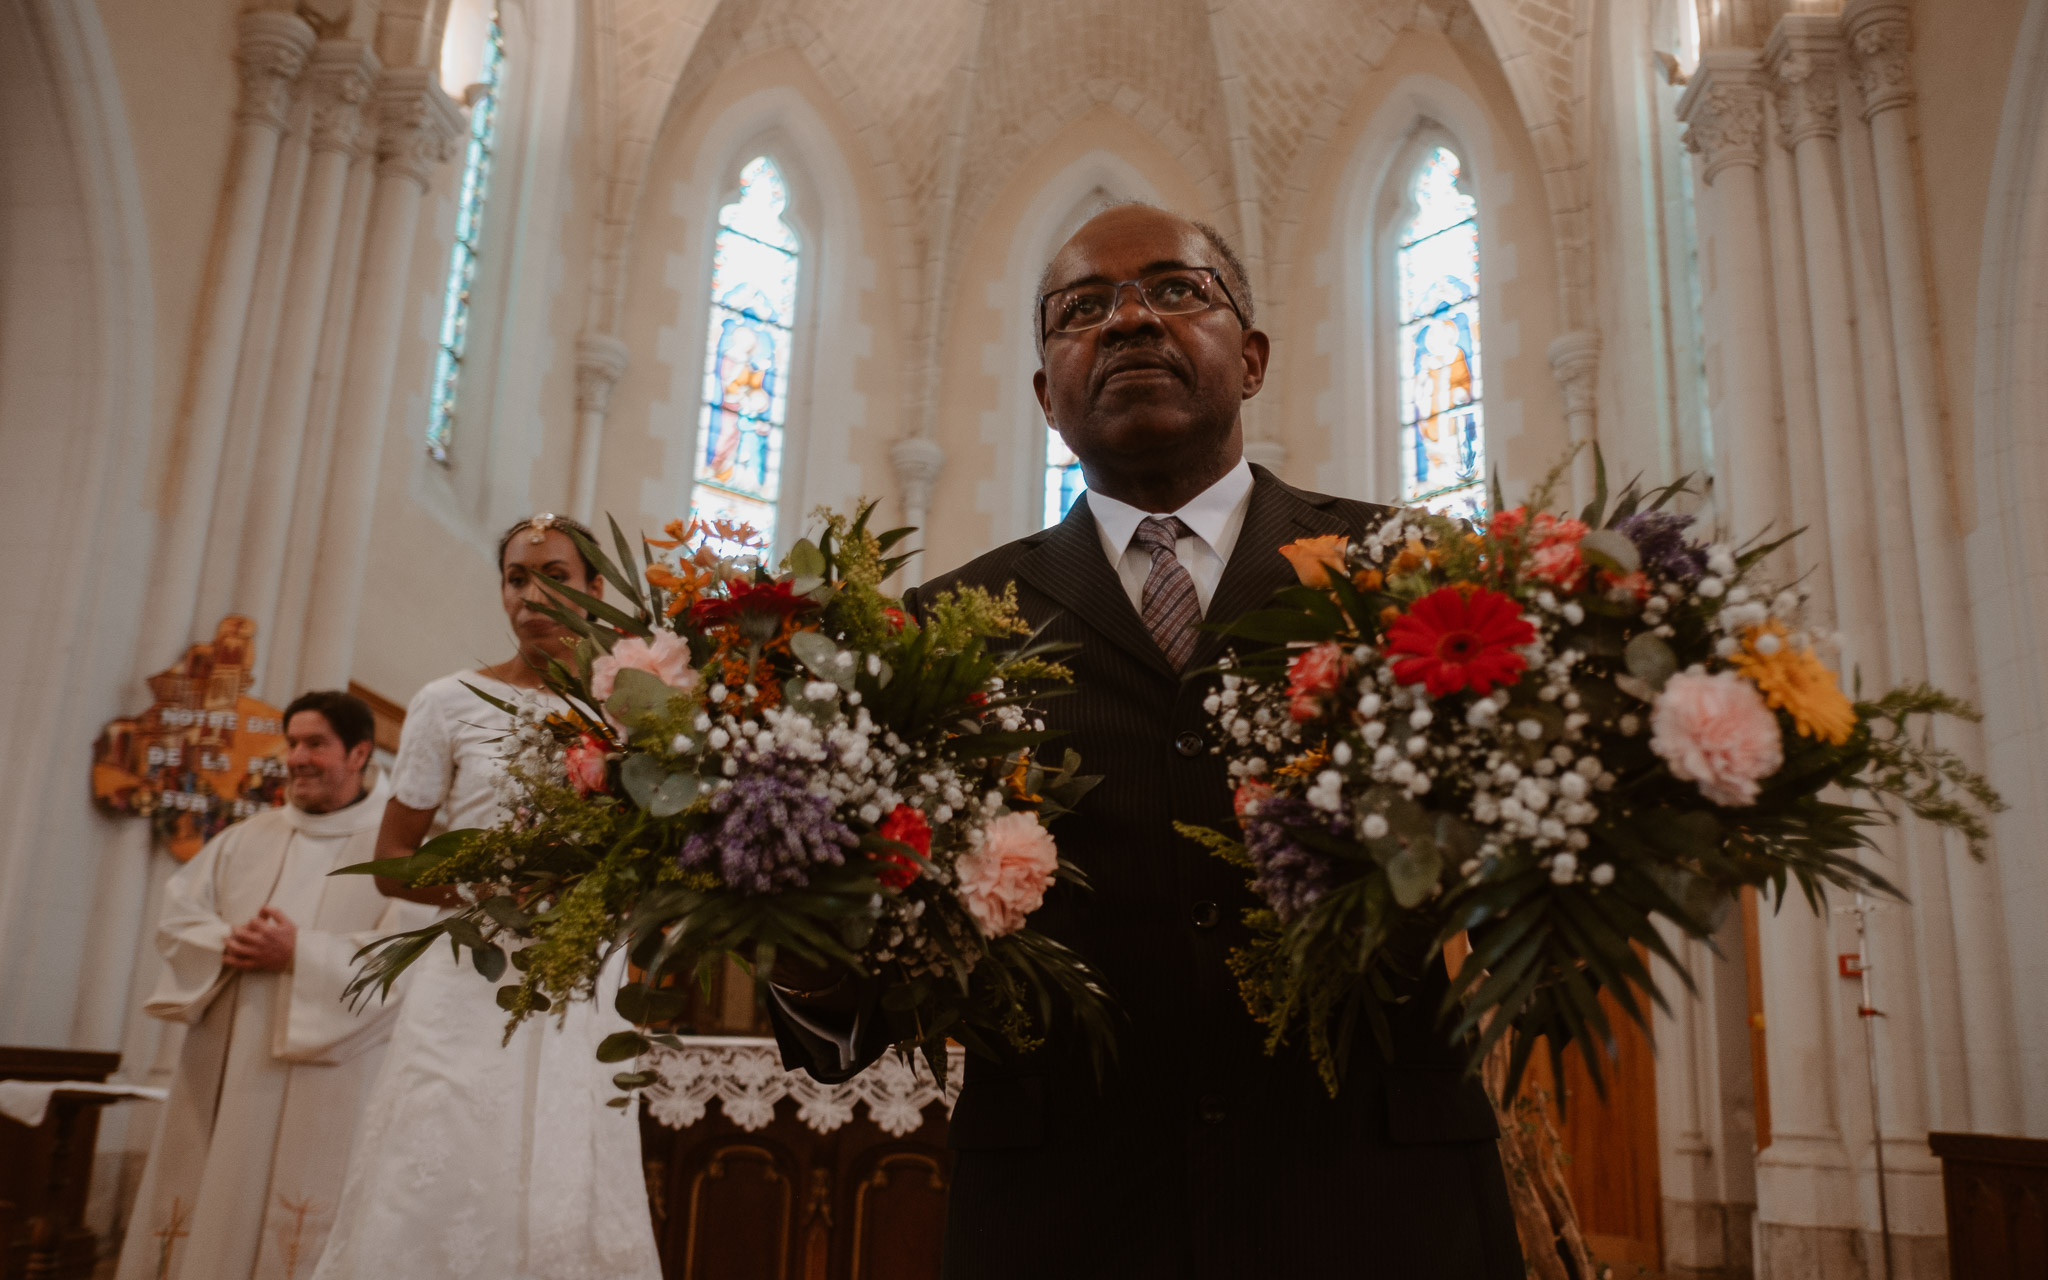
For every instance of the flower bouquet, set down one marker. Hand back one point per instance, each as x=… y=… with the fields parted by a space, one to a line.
x=1546 y=733
x=770 y=765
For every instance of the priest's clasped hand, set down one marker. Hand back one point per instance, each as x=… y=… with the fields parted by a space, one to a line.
x=264 y=944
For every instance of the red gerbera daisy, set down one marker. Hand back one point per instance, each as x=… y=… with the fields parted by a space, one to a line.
x=1460 y=638
x=906 y=826
x=770 y=599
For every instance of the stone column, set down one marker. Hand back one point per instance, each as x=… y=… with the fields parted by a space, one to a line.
x=1810 y=555
x=1805 y=1178
x=271 y=51
x=340 y=80
x=252 y=371
x=309 y=487
x=1723 y=109
x=600 y=359
x=918 y=463
x=419 y=126
x=1575 y=363
x=1880 y=36
x=1706 y=1107
x=1803 y=53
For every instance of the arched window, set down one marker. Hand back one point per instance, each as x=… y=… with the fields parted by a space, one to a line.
x=1063 y=482
x=738 y=472
x=462 y=259
x=1436 y=269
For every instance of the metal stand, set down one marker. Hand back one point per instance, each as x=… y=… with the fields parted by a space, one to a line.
x=1869 y=1013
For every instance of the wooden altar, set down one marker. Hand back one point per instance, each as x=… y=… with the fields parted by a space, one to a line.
x=755 y=1173
x=46 y=1171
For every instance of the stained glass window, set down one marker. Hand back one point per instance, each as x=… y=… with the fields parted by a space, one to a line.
x=1443 y=441
x=1063 y=482
x=746 y=356
x=462 y=259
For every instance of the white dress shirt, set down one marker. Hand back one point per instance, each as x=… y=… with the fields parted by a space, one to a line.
x=1215 y=515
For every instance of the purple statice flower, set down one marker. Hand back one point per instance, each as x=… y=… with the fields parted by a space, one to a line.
x=1660 y=539
x=1291 y=876
x=772 y=830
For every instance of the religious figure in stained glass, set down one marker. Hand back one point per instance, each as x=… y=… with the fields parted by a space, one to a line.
x=1443 y=444
x=462 y=259
x=747 y=351
x=1063 y=481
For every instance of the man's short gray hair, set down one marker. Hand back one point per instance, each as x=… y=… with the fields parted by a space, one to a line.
x=1235 y=277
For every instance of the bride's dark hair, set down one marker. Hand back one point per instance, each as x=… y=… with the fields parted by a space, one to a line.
x=539 y=526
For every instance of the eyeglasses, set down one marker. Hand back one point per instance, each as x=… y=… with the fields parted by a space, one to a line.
x=1176 y=291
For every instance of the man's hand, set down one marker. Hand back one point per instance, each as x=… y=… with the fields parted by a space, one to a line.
x=263 y=945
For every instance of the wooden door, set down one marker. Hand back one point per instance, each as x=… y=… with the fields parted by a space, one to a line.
x=1610 y=1145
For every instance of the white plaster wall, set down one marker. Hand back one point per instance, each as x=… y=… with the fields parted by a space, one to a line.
x=74 y=389
x=2009 y=548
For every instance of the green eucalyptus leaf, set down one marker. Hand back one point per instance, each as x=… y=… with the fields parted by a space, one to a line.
x=806 y=561
x=1650 y=660
x=1636 y=687
x=489 y=961
x=642 y=775
x=1610 y=549
x=621 y=1046
x=506 y=912
x=463 y=930
x=637 y=694
x=1413 y=872
x=642 y=1005
x=677 y=792
x=826 y=660
x=508 y=997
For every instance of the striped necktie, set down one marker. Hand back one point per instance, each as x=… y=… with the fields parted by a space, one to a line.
x=1169 y=607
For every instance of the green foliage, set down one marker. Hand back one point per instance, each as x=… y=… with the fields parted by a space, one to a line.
x=1546 y=950
x=1222 y=846
x=958 y=617
x=1920 y=773
x=574 y=878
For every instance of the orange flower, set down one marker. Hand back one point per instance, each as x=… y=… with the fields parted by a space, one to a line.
x=678 y=532
x=1313 y=558
x=1412 y=557
x=1796 y=682
x=1367 y=580
x=739 y=534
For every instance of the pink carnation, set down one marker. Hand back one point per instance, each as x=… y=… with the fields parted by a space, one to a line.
x=585 y=762
x=667 y=659
x=1004 y=878
x=1313 y=675
x=1715 y=730
x=1559 y=564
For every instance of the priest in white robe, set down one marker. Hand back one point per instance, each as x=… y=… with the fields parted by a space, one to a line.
x=260 y=942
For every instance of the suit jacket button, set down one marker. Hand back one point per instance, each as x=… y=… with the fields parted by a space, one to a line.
x=1207 y=915
x=1188 y=743
x=1210 y=1108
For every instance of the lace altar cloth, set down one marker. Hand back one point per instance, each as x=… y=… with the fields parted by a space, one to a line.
x=744 y=1074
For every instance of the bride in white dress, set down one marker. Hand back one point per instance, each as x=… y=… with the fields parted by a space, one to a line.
x=476 y=1158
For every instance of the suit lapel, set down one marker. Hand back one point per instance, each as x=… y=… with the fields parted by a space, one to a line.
x=1068 y=564
x=1277 y=516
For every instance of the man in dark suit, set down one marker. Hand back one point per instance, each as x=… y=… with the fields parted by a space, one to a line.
x=1200 y=1155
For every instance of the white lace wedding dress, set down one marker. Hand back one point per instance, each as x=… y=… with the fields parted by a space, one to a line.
x=479 y=1159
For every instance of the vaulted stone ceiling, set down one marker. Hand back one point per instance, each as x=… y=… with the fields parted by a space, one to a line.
x=949 y=97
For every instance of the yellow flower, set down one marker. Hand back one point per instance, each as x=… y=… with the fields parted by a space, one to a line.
x=1313 y=558
x=1307 y=765
x=1797 y=683
x=1412 y=557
